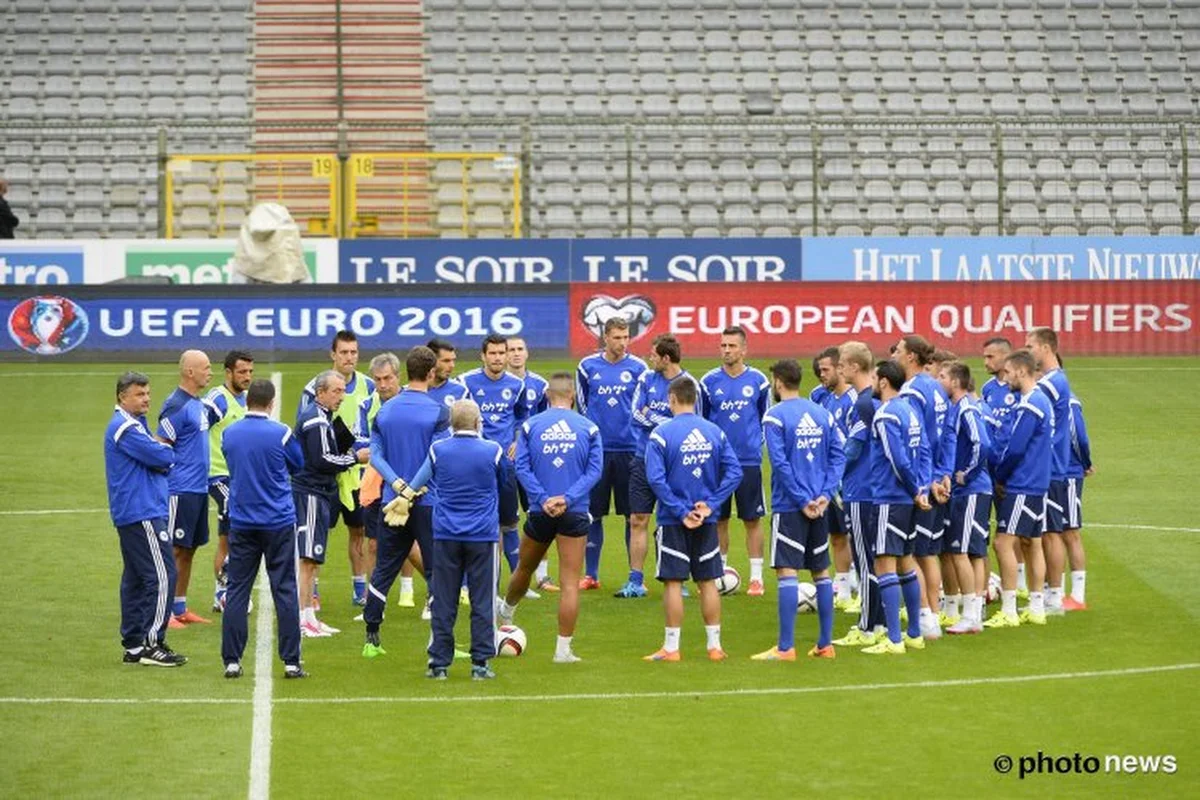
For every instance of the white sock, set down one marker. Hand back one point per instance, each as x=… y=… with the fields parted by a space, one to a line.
x=406 y=584
x=1008 y=601
x=1054 y=597
x=309 y=616
x=978 y=618
x=713 y=634
x=1037 y=603
x=928 y=617
x=756 y=568
x=841 y=586
x=1021 y=585
x=543 y=571
x=671 y=640
x=562 y=645
x=853 y=579
x=506 y=611
x=1078 y=581
x=952 y=605
x=968 y=607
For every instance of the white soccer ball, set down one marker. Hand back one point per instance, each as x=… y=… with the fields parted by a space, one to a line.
x=993 y=588
x=807 y=600
x=729 y=582
x=510 y=641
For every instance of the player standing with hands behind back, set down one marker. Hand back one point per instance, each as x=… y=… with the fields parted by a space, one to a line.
x=692 y=469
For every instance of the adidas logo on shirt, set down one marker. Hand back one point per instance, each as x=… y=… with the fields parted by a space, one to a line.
x=696 y=443
x=559 y=432
x=807 y=427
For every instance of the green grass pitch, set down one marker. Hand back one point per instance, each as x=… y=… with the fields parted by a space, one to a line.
x=75 y=722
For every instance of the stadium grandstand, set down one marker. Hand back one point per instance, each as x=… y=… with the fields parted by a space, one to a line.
x=602 y=117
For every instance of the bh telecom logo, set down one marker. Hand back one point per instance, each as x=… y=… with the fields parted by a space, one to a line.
x=48 y=325
x=195 y=264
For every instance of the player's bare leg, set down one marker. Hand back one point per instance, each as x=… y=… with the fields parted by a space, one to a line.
x=1073 y=541
x=963 y=573
x=305 y=575
x=951 y=590
x=723 y=539
x=359 y=568
x=1035 y=572
x=183 y=568
x=840 y=544
x=1006 y=556
x=639 y=538
x=754 y=548
x=529 y=556
x=710 y=610
x=673 y=612
x=571 y=550
x=1056 y=561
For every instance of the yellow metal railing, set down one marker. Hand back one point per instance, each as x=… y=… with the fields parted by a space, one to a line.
x=422 y=194
x=206 y=195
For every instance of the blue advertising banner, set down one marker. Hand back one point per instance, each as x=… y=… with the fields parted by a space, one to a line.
x=29 y=264
x=453 y=260
x=1001 y=258
x=686 y=260
x=151 y=319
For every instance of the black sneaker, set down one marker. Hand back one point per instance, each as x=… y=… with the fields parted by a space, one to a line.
x=161 y=656
x=294 y=671
x=437 y=673
x=233 y=670
x=133 y=656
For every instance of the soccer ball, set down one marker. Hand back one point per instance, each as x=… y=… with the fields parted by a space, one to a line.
x=729 y=582
x=993 y=588
x=510 y=640
x=807 y=599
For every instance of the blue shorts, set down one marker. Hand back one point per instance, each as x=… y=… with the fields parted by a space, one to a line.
x=509 y=505
x=798 y=542
x=1074 y=504
x=928 y=532
x=1056 y=507
x=312 y=525
x=835 y=516
x=543 y=529
x=641 y=496
x=684 y=552
x=218 y=490
x=613 y=484
x=372 y=516
x=968 y=532
x=187 y=519
x=891 y=529
x=1022 y=515
x=749 y=495
x=353 y=517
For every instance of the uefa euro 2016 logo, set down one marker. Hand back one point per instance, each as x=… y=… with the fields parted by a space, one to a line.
x=638 y=310
x=48 y=325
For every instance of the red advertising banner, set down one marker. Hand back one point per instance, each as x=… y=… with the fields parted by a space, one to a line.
x=799 y=319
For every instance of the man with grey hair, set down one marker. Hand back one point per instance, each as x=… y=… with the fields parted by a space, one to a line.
x=315 y=488
x=467 y=473
x=136 y=468
x=183 y=424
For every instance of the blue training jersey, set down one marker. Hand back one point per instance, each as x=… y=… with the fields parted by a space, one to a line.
x=1002 y=401
x=651 y=407
x=839 y=405
x=972 y=448
x=448 y=393
x=467 y=476
x=922 y=393
x=559 y=453
x=896 y=436
x=737 y=405
x=501 y=401
x=183 y=422
x=1025 y=465
x=261 y=454
x=688 y=460
x=535 y=393
x=856 y=479
x=604 y=394
x=806 y=449
x=1081 y=446
x=401 y=435
x=135 y=469
x=819 y=394
x=948 y=442
x=1056 y=387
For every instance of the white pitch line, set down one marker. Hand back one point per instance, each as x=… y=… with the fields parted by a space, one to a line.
x=1087 y=525
x=40 y=512
x=768 y=692
x=260 y=736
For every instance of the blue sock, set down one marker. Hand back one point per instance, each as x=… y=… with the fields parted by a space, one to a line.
x=595 y=543
x=636 y=577
x=360 y=586
x=179 y=606
x=911 y=588
x=825 y=611
x=789 y=599
x=512 y=548
x=889 y=596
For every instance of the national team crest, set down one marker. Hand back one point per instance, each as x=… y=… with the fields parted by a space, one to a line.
x=48 y=325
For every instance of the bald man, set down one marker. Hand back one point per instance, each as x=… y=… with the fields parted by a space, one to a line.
x=183 y=424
